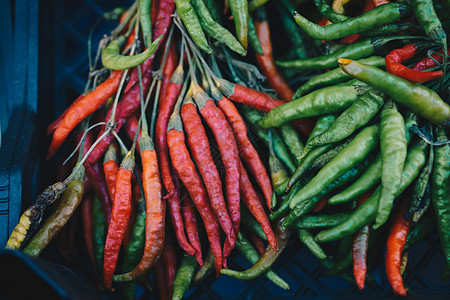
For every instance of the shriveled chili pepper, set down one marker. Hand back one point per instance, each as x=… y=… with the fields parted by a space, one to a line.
x=215 y=30
x=394 y=65
x=358 y=50
x=253 y=204
x=184 y=277
x=201 y=153
x=247 y=151
x=267 y=259
x=239 y=10
x=55 y=222
x=251 y=224
x=360 y=245
x=170 y=65
x=266 y=62
x=357 y=149
x=191 y=226
x=192 y=23
x=52 y=127
x=394 y=248
x=119 y=218
x=162 y=281
x=110 y=168
x=366 y=213
x=226 y=143
x=327 y=100
x=170 y=260
x=308 y=240
x=257 y=243
x=440 y=188
x=354 y=117
x=393 y=148
x=368 y=20
x=131 y=127
x=185 y=168
x=86 y=106
x=334 y=76
x=250 y=253
x=422 y=100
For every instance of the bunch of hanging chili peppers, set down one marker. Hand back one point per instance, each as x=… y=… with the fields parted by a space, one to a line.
x=355 y=156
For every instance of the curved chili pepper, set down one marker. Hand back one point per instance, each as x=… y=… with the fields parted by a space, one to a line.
x=266 y=62
x=52 y=127
x=308 y=239
x=185 y=168
x=86 y=106
x=184 y=277
x=267 y=259
x=394 y=66
x=239 y=10
x=422 y=100
x=119 y=218
x=394 y=248
x=247 y=151
x=428 y=62
x=110 y=168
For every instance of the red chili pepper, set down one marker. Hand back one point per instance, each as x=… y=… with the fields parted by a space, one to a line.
x=131 y=220
x=394 y=66
x=360 y=245
x=168 y=69
x=190 y=223
x=394 y=248
x=201 y=153
x=176 y=217
x=86 y=214
x=267 y=64
x=162 y=280
x=185 y=168
x=96 y=177
x=131 y=127
x=257 y=242
x=86 y=106
x=170 y=259
x=247 y=151
x=427 y=62
x=110 y=168
x=119 y=218
x=52 y=127
x=250 y=199
x=229 y=152
x=154 y=11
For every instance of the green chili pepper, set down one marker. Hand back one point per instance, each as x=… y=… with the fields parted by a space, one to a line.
x=255 y=4
x=244 y=246
x=418 y=232
x=426 y=16
x=278 y=173
x=184 y=276
x=321 y=221
x=252 y=117
x=420 y=198
x=112 y=59
x=115 y=14
x=307 y=205
x=267 y=259
x=284 y=207
x=323 y=101
x=239 y=10
x=440 y=192
x=358 y=50
x=354 y=117
x=378 y=16
x=366 y=213
x=393 y=148
x=145 y=18
x=422 y=100
x=99 y=235
x=355 y=152
x=328 y=12
x=216 y=9
x=335 y=76
x=253 y=38
x=216 y=30
x=190 y=20
x=67 y=205
x=308 y=239
x=292 y=141
x=205 y=271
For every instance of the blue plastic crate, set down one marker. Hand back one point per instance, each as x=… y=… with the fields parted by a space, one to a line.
x=50 y=71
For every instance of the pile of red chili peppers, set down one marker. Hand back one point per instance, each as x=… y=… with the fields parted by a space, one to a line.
x=188 y=151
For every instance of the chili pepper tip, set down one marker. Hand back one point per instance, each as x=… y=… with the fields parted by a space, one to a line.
x=344 y=61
